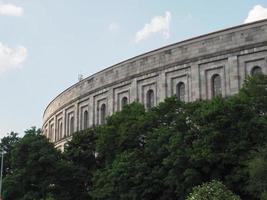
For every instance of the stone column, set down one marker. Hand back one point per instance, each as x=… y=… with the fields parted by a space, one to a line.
x=195 y=82
x=133 y=91
x=234 y=82
x=110 y=100
x=161 y=87
x=91 y=111
x=64 y=121
x=76 y=117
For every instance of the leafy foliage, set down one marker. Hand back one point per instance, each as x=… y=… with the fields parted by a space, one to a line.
x=124 y=131
x=213 y=190
x=33 y=163
x=7 y=145
x=258 y=173
x=75 y=174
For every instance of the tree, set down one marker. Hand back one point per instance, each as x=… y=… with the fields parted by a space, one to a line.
x=74 y=179
x=7 y=144
x=81 y=150
x=124 y=131
x=254 y=91
x=213 y=190
x=69 y=182
x=33 y=164
x=257 y=166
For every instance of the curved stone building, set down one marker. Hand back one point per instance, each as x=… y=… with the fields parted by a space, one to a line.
x=198 y=68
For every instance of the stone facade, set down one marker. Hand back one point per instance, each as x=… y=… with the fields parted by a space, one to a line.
x=198 y=68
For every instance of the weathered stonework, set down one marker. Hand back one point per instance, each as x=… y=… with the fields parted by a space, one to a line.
x=229 y=54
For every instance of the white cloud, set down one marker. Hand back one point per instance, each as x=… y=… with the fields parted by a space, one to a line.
x=11 y=10
x=158 y=24
x=114 y=27
x=11 y=58
x=258 y=12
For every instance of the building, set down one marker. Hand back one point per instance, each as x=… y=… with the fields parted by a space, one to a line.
x=198 y=68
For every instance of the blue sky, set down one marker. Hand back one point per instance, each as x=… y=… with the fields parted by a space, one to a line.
x=45 y=44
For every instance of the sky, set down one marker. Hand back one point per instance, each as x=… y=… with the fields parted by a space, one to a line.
x=46 y=44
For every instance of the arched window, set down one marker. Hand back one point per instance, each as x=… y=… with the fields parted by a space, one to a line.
x=71 y=125
x=60 y=130
x=124 y=102
x=57 y=133
x=51 y=132
x=103 y=114
x=256 y=71
x=180 y=91
x=150 y=99
x=46 y=132
x=85 y=119
x=216 y=85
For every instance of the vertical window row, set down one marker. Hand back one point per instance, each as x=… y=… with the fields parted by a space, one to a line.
x=103 y=114
x=60 y=130
x=216 y=85
x=124 y=102
x=71 y=125
x=85 y=119
x=180 y=91
x=150 y=99
x=51 y=132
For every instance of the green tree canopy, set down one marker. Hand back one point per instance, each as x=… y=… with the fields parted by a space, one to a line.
x=33 y=164
x=258 y=173
x=7 y=144
x=75 y=173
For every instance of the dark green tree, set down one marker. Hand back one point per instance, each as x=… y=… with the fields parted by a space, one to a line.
x=74 y=180
x=124 y=131
x=258 y=173
x=7 y=144
x=81 y=150
x=69 y=182
x=255 y=93
x=33 y=164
